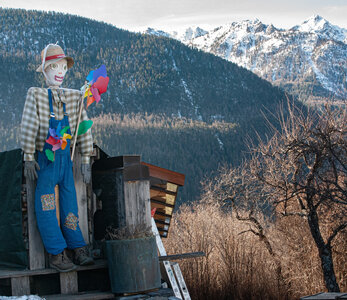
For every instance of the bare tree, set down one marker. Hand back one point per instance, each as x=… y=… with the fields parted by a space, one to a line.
x=303 y=170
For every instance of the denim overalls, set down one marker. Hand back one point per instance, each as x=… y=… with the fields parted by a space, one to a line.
x=50 y=174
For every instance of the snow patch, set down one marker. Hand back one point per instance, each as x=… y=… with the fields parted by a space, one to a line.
x=30 y=297
x=221 y=145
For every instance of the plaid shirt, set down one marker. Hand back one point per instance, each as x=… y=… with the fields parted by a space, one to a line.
x=36 y=115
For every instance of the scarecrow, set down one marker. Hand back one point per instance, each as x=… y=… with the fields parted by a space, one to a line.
x=48 y=125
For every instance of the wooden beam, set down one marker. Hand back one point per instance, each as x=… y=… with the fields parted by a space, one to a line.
x=83 y=296
x=137 y=203
x=182 y=256
x=165 y=174
x=36 y=249
x=81 y=193
x=99 y=264
x=68 y=283
x=20 y=286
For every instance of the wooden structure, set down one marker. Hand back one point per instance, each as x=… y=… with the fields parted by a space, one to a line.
x=89 y=281
x=164 y=186
x=122 y=199
x=122 y=187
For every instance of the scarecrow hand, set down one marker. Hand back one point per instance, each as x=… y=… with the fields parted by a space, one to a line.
x=86 y=173
x=30 y=168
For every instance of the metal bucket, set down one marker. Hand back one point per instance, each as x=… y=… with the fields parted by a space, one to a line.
x=133 y=265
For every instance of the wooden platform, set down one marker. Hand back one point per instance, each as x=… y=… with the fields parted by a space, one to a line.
x=162 y=294
x=82 y=296
x=47 y=282
x=86 y=282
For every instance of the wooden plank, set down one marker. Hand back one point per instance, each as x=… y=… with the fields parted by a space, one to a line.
x=81 y=193
x=68 y=283
x=162 y=227
x=36 y=248
x=92 y=197
x=157 y=193
x=137 y=203
x=99 y=264
x=165 y=174
x=82 y=296
x=182 y=256
x=167 y=210
x=20 y=286
x=162 y=218
x=161 y=192
x=91 y=211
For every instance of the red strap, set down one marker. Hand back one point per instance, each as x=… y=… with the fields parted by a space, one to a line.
x=55 y=56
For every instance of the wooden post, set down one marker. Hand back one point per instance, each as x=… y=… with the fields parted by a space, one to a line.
x=81 y=193
x=68 y=283
x=36 y=248
x=137 y=203
x=20 y=286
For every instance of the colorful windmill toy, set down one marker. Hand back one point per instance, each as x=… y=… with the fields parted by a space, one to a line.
x=97 y=85
x=57 y=139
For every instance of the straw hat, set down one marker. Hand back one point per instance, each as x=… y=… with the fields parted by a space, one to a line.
x=51 y=54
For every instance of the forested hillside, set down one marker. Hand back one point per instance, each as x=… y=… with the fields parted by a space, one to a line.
x=149 y=75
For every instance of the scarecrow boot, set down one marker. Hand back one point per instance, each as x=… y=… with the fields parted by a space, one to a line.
x=61 y=262
x=82 y=257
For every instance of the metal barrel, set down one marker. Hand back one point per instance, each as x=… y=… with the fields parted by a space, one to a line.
x=133 y=265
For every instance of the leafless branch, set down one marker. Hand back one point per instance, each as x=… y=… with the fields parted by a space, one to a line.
x=335 y=232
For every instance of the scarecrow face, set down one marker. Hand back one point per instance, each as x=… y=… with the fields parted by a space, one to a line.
x=55 y=72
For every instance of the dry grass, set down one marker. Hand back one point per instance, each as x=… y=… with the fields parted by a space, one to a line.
x=238 y=266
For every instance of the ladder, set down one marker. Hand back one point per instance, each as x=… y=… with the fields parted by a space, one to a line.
x=171 y=273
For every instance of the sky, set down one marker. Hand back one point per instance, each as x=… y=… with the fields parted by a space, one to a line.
x=138 y=15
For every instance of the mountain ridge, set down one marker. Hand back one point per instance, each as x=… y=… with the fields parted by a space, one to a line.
x=307 y=59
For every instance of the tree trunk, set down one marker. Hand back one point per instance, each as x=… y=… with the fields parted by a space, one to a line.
x=325 y=253
x=326 y=257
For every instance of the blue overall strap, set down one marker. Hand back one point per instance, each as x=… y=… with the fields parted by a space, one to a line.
x=50 y=102
x=66 y=118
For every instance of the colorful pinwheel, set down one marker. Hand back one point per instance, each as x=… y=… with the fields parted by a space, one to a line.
x=58 y=139
x=97 y=82
x=97 y=85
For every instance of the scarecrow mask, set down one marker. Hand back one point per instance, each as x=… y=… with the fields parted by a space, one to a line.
x=55 y=72
x=54 y=64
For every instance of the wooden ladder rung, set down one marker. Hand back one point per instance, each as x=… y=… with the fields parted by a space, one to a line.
x=182 y=256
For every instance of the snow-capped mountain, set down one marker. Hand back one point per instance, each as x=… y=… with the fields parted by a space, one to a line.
x=309 y=59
